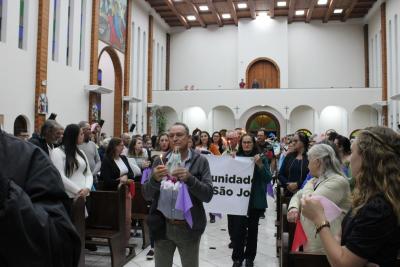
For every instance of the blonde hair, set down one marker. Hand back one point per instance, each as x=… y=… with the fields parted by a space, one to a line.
x=379 y=148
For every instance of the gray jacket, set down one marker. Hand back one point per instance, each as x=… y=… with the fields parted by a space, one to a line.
x=199 y=185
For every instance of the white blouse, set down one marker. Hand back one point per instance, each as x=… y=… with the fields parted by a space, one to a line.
x=79 y=178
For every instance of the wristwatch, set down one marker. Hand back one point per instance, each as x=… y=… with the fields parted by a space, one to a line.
x=319 y=227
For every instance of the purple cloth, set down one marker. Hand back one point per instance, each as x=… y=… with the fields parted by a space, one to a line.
x=270 y=190
x=184 y=203
x=145 y=175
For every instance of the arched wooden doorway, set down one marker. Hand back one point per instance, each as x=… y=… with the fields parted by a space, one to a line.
x=264 y=120
x=118 y=118
x=265 y=71
x=20 y=125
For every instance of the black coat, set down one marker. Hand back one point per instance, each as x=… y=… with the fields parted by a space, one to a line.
x=109 y=173
x=39 y=141
x=35 y=229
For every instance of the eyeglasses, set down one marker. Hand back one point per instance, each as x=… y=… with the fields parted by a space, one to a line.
x=247 y=142
x=178 y=135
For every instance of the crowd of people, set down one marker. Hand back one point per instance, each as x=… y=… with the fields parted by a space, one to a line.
x=360 y=176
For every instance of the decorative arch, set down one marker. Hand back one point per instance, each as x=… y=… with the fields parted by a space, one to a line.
x=20 y=125
x=119 y=123
x=263 y=119
x=261 y=67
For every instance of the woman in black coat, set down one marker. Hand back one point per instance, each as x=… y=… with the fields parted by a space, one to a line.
x=115 y=167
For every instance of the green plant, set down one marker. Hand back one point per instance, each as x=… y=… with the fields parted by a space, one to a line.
x=161 y=121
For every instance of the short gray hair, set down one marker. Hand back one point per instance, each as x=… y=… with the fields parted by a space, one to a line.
x=327 y=156
x=49 y=126
x=83 y=124
x=183 y=125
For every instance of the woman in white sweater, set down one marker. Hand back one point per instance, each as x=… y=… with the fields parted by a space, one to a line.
x=72 y=163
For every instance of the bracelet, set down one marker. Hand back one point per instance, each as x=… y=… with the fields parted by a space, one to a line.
x=320 y=226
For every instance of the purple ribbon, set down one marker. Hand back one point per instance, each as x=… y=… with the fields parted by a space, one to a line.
x=270 y=190
x=145 y=175
x=184 y=203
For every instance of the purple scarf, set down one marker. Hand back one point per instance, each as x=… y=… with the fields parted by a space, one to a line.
x=184 y=203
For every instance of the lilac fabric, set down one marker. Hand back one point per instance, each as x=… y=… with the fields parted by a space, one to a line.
x=184 y=203
x=270 y=190
x=145 y=175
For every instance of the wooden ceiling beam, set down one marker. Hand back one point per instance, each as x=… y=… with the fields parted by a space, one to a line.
x=214 y=12
x=252 y=8
x=310 y=10
x=196 y=13
x=292 y=5
x=231 y=6
x=329 y=11
x=180 y=17
x=349 y=10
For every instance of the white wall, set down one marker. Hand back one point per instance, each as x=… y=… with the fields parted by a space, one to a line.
x=195 y=117
x=65 y=84
x=222 y=118
x=205 y=58
x=263 y=37
x=302 y=118
x=139 y=50
x=326 y=54
x=362 y=117
x=107 y=100
x=393 y=54
x=334 y=117
x=18 y=66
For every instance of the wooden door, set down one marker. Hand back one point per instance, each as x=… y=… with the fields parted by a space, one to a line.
x=265 y=72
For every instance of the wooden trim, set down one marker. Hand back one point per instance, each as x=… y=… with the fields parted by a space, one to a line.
x=263 y=59
x=196 y=13
x=181 y=18
x=215 y=13
x=384 y=63
x=349 y=10
x=329 y=12
x=94 y=62
x=127 y=66
x=168 y=58
x=311 y=8
x=118 y=118
x=232 y=8
x=252 y=8
x=366 y=56
x=41 y=59
x=272 y=9
x=150 y=71
x=292 y=5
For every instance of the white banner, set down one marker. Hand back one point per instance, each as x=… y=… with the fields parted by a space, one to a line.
x=231 y=184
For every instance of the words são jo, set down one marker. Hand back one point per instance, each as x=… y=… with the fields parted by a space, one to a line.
x=221 y=190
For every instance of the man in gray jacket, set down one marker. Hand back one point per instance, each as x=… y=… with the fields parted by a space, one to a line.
x=167 y=224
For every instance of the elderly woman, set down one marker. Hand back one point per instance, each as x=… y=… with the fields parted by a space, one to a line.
x=370 y=231
x=328 y=182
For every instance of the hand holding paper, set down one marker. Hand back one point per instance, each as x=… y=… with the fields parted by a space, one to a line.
x=318 y=208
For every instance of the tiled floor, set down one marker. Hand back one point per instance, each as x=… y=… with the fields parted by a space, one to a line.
x=214 y=251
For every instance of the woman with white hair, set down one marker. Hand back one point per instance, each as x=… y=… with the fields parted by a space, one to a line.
x=329 y=182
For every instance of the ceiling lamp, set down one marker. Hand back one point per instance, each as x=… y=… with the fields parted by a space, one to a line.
x=322 y=2
x=281 y=3
x=191 y=18
x=226 y=16
x=338 y=11
x=299 y=12
x=242 y=5
x=203 y=8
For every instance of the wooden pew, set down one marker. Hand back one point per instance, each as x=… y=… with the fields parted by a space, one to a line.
x=140 y=211
x=78 y=219
x=107 y=221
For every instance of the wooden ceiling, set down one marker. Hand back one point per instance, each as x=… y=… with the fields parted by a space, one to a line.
x=176 y=12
